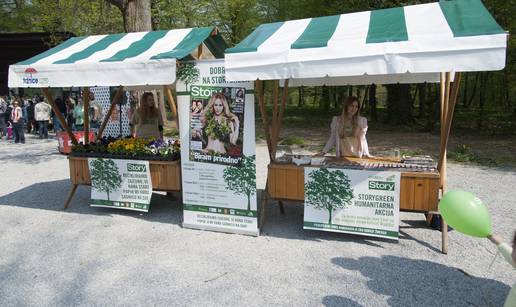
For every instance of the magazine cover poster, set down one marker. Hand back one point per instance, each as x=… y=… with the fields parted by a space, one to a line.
x=217 y=124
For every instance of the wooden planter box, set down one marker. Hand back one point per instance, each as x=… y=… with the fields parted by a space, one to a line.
x=165 y=175
x=419 y=191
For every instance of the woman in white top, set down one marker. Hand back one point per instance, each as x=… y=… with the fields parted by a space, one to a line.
x=348 y=132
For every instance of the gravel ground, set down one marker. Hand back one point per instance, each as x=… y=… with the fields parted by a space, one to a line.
x=98 y=256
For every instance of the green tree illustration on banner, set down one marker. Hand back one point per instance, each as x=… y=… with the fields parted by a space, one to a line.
x=188 y=73
x=328 y=190
x=105 y=175
x=242 y=179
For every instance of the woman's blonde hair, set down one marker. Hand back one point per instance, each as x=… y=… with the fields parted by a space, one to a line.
x=354 y=121
x=145 y=110
x=222 y=98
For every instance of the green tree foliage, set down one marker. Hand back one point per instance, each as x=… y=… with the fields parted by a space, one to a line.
x=242 y=179
x=105 y=175
x=328 y=190
x=80 y=17
x=488 y=103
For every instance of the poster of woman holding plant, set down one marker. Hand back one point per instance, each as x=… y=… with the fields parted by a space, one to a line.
x=217 y=130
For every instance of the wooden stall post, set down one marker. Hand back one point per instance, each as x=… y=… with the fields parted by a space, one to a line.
x=116 y=98
x=60 y=117
x=86 y=115
x=274 y=128
x=283 y=105
x=261 y=102
x=171 y=103
x=449 y=96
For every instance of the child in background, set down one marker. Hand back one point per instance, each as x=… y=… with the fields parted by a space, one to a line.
x=9 y=130
x=510 y=256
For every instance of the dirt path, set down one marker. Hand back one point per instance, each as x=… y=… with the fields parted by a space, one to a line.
x=487 y=149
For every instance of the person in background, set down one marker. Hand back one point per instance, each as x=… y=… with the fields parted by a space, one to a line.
x=3 y=117
x=24 y=105
x=70 y=105
x=31 y=122
x=61 y=105
x=94 y=112
x=42 y=116
x=509 y=254
x=9 y=122
x=78 y=115
x=17 y=120
x=146 y=121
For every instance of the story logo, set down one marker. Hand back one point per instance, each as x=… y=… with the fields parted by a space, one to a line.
x=381 y=185
x=133 y=167
x=202 y=91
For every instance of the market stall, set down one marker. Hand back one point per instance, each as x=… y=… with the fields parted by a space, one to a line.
x=421 y=43
x=128 y=61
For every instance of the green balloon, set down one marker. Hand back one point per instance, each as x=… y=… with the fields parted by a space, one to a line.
x=466 y=213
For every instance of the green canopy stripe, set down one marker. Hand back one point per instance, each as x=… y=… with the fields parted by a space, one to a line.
x=469 y=18
x=98 y=46
x=317 y=33
x=138 y=47
x=187 y=45
x=256 y=38
x=70 y=42
x=387 y=25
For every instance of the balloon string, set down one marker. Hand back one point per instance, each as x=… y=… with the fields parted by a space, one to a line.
x=487 y=294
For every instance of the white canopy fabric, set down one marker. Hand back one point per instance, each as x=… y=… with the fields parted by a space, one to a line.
x=391 y=45
x=127 y=59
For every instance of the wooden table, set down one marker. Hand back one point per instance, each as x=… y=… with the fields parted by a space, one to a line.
x=165 y=175
x=419 y=190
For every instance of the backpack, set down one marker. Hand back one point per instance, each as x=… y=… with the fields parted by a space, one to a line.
x=3 y=106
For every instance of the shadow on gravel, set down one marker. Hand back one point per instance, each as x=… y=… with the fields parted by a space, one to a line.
x=334 y=300
x=52 y=196
x=29 y=153
x=290 y=226
x=409 y=282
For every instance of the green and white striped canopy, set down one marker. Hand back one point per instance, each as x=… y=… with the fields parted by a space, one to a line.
x=128 y=59
x=402 y=44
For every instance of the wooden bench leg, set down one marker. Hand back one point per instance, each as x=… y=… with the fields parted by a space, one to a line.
x=281 y=208
x=263 y=205
x=70 y=195
x=444 y=232
x=429 y=217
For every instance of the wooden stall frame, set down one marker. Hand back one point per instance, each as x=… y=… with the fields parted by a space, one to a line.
x=448 y=97
x=118 y=95
x=60 y=117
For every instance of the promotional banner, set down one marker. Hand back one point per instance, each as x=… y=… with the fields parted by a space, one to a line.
x=352 y=201
x=217 y=149
x=122 y=184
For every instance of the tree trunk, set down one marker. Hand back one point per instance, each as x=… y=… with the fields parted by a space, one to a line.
x=422 y=99
x=315 y=95
x=465 y=95
x=329 y=219
x=372 y=103
x=324 y=105
x=474 y=91
x=301 y=96
x=399 y=105
x=136 y=14
x=248 y=202
x=336 y=97
x=482 y=99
